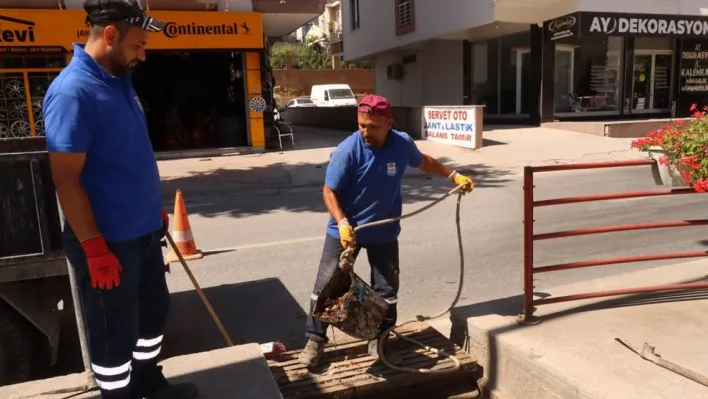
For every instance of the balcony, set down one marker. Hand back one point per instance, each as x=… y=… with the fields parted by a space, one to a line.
x=337 y=46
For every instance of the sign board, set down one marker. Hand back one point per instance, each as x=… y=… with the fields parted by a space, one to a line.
x=693 y=79
x=40 y=31
x=563 y=27
x=627 y=25
x=646 y=25
x=458 y=126
x=694 y=67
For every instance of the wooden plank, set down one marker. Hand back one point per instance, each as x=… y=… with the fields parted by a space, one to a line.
x=348 y=371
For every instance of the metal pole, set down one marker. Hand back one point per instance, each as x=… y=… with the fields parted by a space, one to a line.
x=528 y=246
x=80 y=325
x=78 y=312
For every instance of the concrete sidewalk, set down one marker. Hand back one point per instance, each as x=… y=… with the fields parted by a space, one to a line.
x=239 y=372
x=573 y=353
x=506 y=152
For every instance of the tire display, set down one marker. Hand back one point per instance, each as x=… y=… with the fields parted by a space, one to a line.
x=16 y=120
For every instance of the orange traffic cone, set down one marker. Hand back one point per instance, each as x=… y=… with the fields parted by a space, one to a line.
x=182 y=234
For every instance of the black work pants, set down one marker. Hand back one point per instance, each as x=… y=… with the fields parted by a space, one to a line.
x=125 y=324
x=383 y=259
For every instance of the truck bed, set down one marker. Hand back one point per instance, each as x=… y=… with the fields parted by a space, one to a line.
x=30 y=236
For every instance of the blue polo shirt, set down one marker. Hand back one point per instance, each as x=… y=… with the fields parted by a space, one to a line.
x=367 y=181
x=86 y=110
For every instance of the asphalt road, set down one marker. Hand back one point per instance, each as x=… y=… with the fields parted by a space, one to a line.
x=262 y=248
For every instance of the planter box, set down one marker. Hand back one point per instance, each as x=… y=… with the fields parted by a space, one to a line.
x=665 y=175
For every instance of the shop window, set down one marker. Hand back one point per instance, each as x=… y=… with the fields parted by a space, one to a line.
x=484 y=80
x=564 y=82
x=514 y=73
x=405 y=17
x=588 y=76
x=652 y=69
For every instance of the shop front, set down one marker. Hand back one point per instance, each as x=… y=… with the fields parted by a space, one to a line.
x=604 y=65
x=591 y=66
x=201 y=85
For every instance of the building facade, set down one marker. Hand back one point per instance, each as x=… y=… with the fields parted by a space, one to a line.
x=536 y=60
x=329 y=23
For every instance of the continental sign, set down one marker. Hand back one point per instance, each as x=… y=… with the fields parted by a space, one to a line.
x=52 y=30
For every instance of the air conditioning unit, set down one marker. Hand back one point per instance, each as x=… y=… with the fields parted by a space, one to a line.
x=394 y=72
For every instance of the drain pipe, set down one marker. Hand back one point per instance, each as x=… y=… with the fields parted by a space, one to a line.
x=61 y=4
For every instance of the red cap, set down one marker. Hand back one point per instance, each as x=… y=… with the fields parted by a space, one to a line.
x=375 y=105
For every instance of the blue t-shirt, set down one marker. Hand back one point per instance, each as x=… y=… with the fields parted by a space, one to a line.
x=86 y=110
x=367 y=181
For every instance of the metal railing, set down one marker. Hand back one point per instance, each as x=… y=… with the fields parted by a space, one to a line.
x=405 y=12
x=527 y=317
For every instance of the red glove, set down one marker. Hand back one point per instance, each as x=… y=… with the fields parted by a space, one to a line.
x=103 y=266
x=165 y=222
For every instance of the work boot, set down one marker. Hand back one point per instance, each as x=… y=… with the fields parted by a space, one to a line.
x=311 y=354
x=392 y=351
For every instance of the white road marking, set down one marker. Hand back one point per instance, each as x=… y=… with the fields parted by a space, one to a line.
x=266 y=244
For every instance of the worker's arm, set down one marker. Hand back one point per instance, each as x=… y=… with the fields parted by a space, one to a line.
x=332 y=204
x=68 y=138
x=66 y=174
x=336 y=177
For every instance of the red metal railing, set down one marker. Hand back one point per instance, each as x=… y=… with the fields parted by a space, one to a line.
x=530 y=237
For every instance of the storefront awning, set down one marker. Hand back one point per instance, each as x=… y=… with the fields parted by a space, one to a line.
x=615 y=24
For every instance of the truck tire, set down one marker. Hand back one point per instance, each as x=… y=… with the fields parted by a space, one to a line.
x=16 y=347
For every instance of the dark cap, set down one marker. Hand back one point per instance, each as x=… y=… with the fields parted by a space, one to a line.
x=376 y=106
x=106 y=11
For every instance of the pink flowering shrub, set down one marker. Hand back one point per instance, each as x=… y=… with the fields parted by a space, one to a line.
x=685 y=145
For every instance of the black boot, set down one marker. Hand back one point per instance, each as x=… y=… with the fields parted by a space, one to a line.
x=152 y=384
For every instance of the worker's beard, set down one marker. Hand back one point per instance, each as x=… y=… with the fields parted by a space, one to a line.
x=119 y=65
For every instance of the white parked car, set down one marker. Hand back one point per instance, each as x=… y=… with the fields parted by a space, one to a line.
x=300 y=103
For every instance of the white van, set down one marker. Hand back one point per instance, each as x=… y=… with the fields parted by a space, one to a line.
x=334 y=95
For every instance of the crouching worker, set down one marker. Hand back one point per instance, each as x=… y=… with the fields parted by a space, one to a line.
x=108 y=184
x=362 y=185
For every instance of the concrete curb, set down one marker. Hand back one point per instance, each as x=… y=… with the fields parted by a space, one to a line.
x=238 y=372
x=573 y=352
x=518 y=375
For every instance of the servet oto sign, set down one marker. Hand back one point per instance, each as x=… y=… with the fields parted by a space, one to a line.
x=452 y=125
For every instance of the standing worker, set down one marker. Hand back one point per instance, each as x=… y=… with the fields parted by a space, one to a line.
x=362 y=185
x=108 y=184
